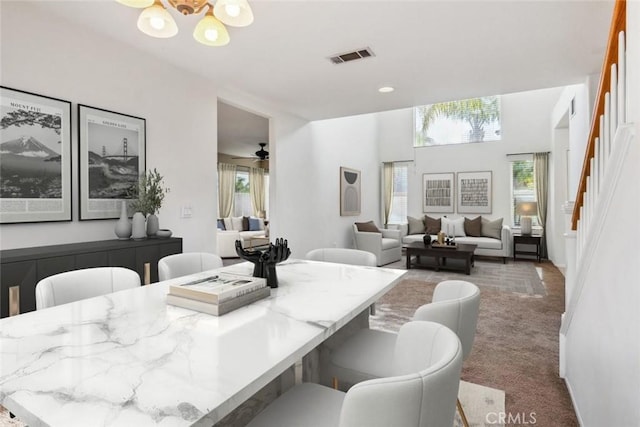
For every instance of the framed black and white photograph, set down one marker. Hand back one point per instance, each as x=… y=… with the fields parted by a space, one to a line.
x=112 y=157
x=438 y=192
x=474 y=192
x=349 y=192
x=35 y=164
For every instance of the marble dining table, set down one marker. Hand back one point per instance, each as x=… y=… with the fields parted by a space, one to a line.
x=130 y=359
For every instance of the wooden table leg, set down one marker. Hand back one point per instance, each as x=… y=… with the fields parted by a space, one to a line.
x=408 y=259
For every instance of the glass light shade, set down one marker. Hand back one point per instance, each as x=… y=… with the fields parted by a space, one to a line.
x=210 y=31
x=236 y=13
x=156 y=21
x=140 y=4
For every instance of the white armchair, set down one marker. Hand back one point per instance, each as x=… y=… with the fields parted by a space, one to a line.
x=386 y=245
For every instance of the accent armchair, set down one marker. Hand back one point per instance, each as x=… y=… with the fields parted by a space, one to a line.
x=385 y=244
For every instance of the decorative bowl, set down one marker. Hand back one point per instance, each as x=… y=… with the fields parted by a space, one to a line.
x=163 y=233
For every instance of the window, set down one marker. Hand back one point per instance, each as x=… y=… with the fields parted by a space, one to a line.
x=398 y=212
x=457 y=122
x=522 y=188
x=242 y=198
x=242 y=205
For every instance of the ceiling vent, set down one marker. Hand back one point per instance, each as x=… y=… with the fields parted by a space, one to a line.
x=351 y=56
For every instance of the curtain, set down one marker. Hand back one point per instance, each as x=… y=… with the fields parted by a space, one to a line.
x=387 y=188
x=256 y=189
x=541 y=182
x=226 y=188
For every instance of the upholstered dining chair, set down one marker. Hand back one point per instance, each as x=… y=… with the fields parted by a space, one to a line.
x=343 y=256
x=370 y=353
x=183 y=264
x=420 y=390
x=75 y=285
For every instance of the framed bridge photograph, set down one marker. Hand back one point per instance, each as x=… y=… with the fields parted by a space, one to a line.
x=35 y=159
x=111 y=159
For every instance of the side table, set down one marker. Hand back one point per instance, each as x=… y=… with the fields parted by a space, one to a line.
x=526 y=240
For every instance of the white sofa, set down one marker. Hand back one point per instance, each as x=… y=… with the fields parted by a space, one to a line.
x=233 y=231
x=487 y=246
x=386 y=245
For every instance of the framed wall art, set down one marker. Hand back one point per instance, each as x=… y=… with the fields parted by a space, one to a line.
x=438 y=192
x=35 y=165
x=111 y=157
x=474 y=192
x=350 y=193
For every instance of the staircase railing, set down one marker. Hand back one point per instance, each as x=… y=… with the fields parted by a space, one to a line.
x=608 y=113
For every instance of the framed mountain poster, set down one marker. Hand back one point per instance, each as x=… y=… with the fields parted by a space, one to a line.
x=35 y=165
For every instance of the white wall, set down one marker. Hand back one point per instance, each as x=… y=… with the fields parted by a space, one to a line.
x=603 y=340
x=526 y=127
x=556 y=226
x=182 y=142
x=48 y=57
x=308 y=172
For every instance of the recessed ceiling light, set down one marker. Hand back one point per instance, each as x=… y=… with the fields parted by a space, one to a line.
x=386 y=89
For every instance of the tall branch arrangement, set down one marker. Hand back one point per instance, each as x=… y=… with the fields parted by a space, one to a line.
x=149 y=194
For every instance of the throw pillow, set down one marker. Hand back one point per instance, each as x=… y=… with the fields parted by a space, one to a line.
x=236 y=222
x=254 y=224
x=431 y=225
x=221 y=224
x=245 y=223
x=368 y=226
x=416 y=226
x=473 y=227
x=228 y=225
x=453 y=227
x=492 y=228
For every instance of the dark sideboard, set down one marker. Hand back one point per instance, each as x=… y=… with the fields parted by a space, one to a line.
x=21 y=269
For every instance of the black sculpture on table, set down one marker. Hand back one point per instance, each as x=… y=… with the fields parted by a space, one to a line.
x=265 y=260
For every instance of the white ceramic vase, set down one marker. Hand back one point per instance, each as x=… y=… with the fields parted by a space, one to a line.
x=123 y=225
x=153 y=225
x=138 y=227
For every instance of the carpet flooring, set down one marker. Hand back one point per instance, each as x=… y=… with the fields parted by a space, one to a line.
x=514 y=276
x=516 y=343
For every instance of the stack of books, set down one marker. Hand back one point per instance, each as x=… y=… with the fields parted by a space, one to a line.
x=218 y=294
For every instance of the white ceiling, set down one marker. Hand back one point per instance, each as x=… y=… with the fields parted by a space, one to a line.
x=428 y=50
x=240 y=131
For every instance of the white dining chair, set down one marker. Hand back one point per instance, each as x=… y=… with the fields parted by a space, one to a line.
x=420 y=391
x=370 y=352
x=75 y=285
x=183 y=264
x=343 y=256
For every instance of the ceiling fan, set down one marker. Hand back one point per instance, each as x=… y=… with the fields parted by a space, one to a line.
x=260 y=155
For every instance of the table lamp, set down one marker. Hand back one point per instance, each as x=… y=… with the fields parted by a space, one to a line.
x=526 y=210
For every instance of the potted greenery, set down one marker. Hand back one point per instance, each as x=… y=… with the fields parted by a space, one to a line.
x=148 y=197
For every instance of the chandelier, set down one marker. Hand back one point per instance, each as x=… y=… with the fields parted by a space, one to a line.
x=156 y=21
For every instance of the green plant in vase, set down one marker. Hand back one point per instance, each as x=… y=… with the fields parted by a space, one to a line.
x=147 y=199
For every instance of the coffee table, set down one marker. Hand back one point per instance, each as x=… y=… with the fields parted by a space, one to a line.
x=461 y=251
x=258 y=241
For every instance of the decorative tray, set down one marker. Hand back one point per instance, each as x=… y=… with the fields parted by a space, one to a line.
x=439 y=246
